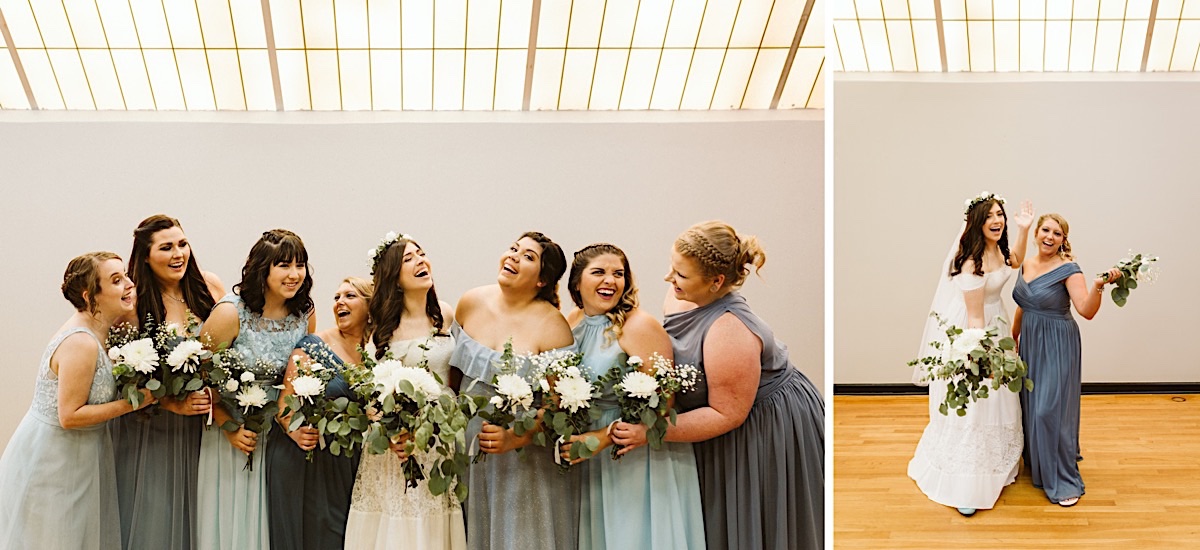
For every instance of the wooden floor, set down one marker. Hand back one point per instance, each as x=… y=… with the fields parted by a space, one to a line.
x=1141 y=467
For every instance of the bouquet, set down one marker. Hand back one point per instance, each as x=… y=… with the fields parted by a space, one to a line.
x=646 y=398
x=243 y=390
x=187 y=359
x=135 y=366
x=968 y=360
x=308 y=404
x=569 y=407
x=517 y=400
x=1135 y=268
x=402 y=394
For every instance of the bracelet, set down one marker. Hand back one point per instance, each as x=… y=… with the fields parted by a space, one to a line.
x=1100 y=289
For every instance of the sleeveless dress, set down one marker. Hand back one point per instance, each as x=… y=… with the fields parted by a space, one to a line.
x=383 y=514
x=1050 y=345
x=762 y=485
x=516 y=500
x=965 y=461
x=58 y=486
x=309 y=500
x=157 y=456
x=649 y=498
x=232 y=501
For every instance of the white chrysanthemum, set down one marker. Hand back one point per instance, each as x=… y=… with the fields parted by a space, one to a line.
x=247 y=376
x=574 y=392
x=515 y=389
x=496 y=400
x=231 y=385
x=571 y=372
x=308 y=386
x=639 y=384
x=182 y=355
x=141 y=355
x=251 y=396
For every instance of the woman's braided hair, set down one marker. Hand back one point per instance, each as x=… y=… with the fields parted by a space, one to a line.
x=721 y=251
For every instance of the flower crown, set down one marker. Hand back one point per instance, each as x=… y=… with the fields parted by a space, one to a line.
x=981 y=197
x=374 y=254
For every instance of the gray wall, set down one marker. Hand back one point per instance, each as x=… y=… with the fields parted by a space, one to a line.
x=464 y=184
x=1114 y=154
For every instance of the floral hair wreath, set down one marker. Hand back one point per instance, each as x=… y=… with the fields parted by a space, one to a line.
x=374 y=254
x=983 y=196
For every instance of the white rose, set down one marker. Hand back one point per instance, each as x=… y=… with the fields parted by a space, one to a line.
x=251 y=396
x=181 y=356
x=115 y=353
x=141 y=355
x=515 y=389
x=639 y=384
x=391 y=236
x=231 y=385
x=308 y=386
x=247 y=376
x=967 y=342
x=573 y=392
x=572 y=372
x=372 y=253
x=634 y=361
x=422 y=381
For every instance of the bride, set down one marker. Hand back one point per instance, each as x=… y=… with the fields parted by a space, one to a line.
x=964 y=461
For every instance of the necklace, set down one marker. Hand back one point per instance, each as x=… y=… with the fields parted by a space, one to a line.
x=180 y=300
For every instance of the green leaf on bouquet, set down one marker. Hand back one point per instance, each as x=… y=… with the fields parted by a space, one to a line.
x=153 y=384
x=438 y=484
x=340 y=404
x=1130 y=282
x=1015 y=385
x=592 y=443
x=539 y=439
x=335 y=448
x=647 y=416
x=460 y=492
x=942 y=408
x=379 y=443
x=332 y=426
x=177 y=385
x=133 y=396
x=961 y=412
x=1007 y=344
x=193 y=385
x=357 y=423
x=1028 y=384
x=297 y=421
x=344 y=429
x=322 y=424
x=674 y=417
x=354 y=409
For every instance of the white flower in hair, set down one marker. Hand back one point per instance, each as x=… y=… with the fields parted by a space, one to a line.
x=391 y=236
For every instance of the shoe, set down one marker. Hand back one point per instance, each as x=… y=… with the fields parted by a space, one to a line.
x=968 y=512
x=1068 y=502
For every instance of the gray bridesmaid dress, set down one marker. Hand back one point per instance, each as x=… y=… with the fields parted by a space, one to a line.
x=1050 y=346
x=761 y=484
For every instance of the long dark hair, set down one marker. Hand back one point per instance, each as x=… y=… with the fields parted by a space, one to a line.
x=275 y=246
x=196 y=296
x=554 y=264
x=628 y=298
x=387 y=304
x=971 y=244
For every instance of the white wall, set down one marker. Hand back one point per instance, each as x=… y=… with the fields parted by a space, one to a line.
x=464 y=184
x=1114 y=154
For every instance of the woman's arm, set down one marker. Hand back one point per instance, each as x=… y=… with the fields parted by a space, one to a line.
x=1087 y=299
x=1016 y=327
x=215 y=287
x=1023 y=219
x=218 y=333
x=75 y=363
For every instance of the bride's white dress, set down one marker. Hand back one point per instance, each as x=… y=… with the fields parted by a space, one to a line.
x=964 y=461
x=384 y=515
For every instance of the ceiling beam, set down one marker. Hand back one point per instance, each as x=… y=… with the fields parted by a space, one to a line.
x=791 y=56
x=941 y=27
x=269 y=30
x=535 y=17
x=16 y=59
x=1149 y=34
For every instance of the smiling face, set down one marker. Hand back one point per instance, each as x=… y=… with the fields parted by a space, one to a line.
x=688 y=281
x=349 y=308
x=601 y=284
x=1050 y=237
x=993 y=226
x=521 y=265
x=116 y=296
x=285 y=278
x=415 y=270
x=169 y=254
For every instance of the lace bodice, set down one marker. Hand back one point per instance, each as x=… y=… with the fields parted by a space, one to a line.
x=45 y=396
x=410 y=353
x=266 y=344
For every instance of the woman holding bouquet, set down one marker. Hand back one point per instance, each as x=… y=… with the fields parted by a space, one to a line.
x=310 y=500
x=158 y=453
x=650 y=498
x=756 y=422
x=269 y=311
x=965 y=461
x=1048 y=340
x=57 y=477
x=515 y=502
x=411 y=325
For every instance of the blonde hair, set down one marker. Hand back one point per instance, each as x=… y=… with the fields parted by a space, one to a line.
x=1064 y=250
x=82 y=276
x=365 y=288
x=721 y=251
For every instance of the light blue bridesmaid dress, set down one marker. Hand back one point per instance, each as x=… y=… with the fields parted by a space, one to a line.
x=649 y=498
x=1051 y=347
x=232 y=507
x=58 y=486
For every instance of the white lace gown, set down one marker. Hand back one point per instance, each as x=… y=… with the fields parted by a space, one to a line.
x=965 y=461
x=385 y=516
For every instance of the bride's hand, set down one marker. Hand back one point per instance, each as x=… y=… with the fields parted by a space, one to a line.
x=1024 y=218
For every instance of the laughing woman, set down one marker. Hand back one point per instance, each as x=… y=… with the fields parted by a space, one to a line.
x=158 y=453
x=651 y=498
x=57 y=477
x=515 y=502
x=268 y=313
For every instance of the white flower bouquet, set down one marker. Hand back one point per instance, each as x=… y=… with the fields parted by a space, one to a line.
x=188 y=360
x=403 y=395
x=973 y=362
x=135 y=366
x=645 y=395
x=243 y=390
x=518 y=398
x=568 y=404
x=1135 y=268
x=308 y=404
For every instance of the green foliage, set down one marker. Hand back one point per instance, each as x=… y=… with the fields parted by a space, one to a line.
x=989 y=365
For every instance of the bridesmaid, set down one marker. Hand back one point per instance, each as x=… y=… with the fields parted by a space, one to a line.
x=1048 y=340
x=406 y=314
x=268 y=313
x=756 y=421
x=309 y=500
x=650 y=498
x=157 y=454
x=57 y=477
x=517 y=502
